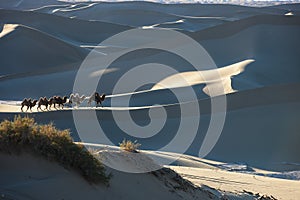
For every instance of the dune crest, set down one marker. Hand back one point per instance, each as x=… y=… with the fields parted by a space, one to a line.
x=8 y=28
x=289 y=14
x=218 y=81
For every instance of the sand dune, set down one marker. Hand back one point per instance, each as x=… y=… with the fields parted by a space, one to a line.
x=42 y=49
x=23 y=5
x=212 y=78
x=7 y=28
x=292 y=7
x=77 y=32
x=279 y=94
x=28 y=177
x=234 y=27
x=267 y=70
x=194 y=24
x=38 y=52
x=268 y=108
x=241 y=182
x=121 y=13
x=269 y=44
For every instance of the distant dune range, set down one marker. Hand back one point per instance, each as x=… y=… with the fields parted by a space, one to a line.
x=153 y=13
x=261 y=38
x=70 y=30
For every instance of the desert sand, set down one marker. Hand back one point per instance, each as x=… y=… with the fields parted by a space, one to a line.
x=256 y=51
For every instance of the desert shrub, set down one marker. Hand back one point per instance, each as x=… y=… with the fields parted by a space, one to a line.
x=23 y=134
x=130 y=146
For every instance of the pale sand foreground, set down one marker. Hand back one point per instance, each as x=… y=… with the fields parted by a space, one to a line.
x=28 y=177
x=203 y=172
x=238 y=182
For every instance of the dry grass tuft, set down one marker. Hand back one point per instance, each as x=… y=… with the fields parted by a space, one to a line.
x=23 y=134
x=130 y=146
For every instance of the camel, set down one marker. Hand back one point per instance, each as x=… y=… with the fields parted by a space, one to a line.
x=61 y=101
x=28 y=103
x=25 y=102
x=76 y=99
x=33 y=103
x=52 y=101
x=43 y=101
x=57 y=100
x=97 y=98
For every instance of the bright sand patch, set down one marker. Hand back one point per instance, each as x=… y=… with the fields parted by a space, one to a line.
x=8 y=28
x=232 y=181
x=218 y=81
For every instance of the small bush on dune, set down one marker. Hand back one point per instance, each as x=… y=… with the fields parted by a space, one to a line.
x=23 y=134
x=130 y=146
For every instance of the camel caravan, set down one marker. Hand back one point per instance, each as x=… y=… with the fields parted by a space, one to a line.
x=58 y=102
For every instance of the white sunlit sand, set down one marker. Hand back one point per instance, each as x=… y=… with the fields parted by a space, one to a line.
x=213 y=78
x=43 y=44
x=7 y=28
x=289 y=14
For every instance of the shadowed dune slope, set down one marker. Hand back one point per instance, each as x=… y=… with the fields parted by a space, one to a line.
x=126 y=10
x=234 y=27
x=25 y=49
x=28 y=177
x=70 y=30
x=273 y=110
x=272 y=41
x=29 y=4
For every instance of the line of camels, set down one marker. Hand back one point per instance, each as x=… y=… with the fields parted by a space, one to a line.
x=74 y=99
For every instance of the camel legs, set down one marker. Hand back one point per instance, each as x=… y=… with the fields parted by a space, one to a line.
x=46 y=108
x=89 y=102
x=97 y=104
x=40 y=108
